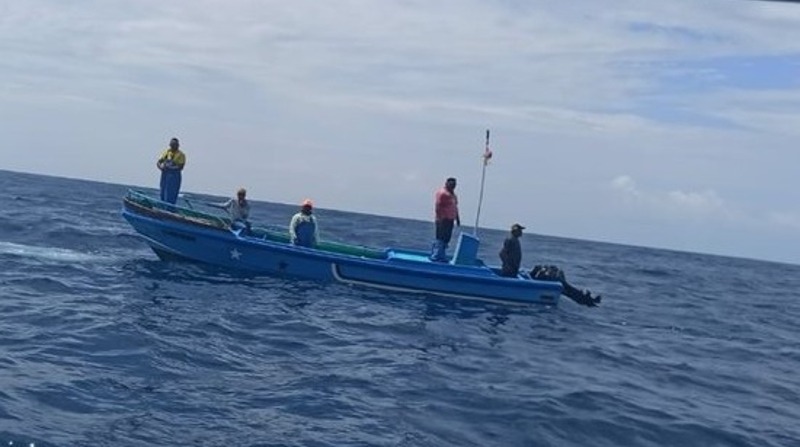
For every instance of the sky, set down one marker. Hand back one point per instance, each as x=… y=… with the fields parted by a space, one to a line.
x=668 y=124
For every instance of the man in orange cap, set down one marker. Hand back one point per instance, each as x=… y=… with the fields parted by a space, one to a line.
x=303 y=230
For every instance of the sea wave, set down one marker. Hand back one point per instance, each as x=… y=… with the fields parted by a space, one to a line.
x=101 y=343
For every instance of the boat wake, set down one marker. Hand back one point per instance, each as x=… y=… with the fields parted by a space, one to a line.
x=48 y=253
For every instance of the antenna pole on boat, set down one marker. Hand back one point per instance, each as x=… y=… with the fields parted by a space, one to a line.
x=487 y=154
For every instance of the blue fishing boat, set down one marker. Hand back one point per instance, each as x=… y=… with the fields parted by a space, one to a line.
x=185 y=233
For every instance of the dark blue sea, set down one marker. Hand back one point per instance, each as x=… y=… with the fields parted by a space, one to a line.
x=102 y=344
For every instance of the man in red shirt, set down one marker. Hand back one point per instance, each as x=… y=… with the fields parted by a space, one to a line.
x=446 y=217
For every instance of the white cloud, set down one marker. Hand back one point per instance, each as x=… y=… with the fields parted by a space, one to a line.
x=673 y=203
x=353 y=91
x=627 y=185
x=702 y=201
x=785 y=219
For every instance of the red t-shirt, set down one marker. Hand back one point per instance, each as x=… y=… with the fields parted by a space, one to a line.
x=446 y=205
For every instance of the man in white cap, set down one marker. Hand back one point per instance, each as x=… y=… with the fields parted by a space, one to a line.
x=511 y=253
x=239 y=210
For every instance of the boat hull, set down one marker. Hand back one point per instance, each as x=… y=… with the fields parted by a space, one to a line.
x=173 y=236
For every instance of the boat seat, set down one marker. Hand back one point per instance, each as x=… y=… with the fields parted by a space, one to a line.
x=466 y=250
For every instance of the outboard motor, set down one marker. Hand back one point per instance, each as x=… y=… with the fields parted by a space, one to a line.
x=553 y=273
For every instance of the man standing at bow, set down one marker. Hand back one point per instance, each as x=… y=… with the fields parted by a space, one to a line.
x=171 y=164
x=446 y=211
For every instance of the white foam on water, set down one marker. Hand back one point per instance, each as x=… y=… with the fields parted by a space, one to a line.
x=47 y=253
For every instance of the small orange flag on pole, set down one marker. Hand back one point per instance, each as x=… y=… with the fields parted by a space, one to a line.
x=487 y=153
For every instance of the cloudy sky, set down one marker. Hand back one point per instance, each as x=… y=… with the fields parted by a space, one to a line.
x=669 y=124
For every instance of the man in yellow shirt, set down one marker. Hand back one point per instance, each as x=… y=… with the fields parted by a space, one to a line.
x=171 y=164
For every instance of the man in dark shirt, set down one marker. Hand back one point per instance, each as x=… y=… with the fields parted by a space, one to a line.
x=511 y=253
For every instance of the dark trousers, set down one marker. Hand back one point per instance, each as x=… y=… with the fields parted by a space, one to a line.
x=444 y=232
x=509 y=272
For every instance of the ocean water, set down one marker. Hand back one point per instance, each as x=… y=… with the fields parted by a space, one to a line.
x=102 y=344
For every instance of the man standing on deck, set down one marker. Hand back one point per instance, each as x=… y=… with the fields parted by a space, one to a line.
x=171 y=164
x=446 y=211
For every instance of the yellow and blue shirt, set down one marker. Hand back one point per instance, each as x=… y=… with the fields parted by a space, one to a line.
x=173 y=159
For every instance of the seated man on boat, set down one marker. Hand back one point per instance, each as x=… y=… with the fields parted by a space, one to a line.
x=303 y=229
x=239 y=210
x=511 y=253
